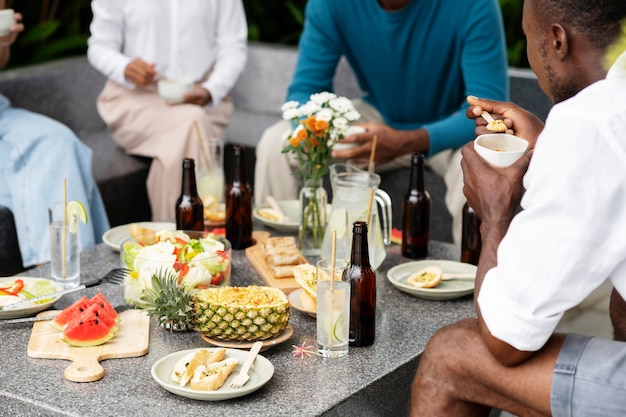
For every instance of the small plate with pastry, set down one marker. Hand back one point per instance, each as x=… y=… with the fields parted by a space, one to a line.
x=301 y=301
x=414 y=278
x=118 y=234
x=205 y=374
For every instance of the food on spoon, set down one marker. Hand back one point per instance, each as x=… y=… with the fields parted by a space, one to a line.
x=211 y=377
x=241 y=313
x=428 y=277
x=184 y=369
x=497 y=126
x=142 y=234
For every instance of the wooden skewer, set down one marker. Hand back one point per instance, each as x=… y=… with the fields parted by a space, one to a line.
x=372 y=153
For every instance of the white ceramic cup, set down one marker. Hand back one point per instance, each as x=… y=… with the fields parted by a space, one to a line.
x=173 y=89
x=7 y=19
x=500 y=149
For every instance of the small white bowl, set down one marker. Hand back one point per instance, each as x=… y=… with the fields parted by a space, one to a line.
x=7 y=19
x=500 y=149
x=352 y=130
x=173 y=90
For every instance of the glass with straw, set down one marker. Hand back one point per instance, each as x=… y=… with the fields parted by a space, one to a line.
x=333 y=306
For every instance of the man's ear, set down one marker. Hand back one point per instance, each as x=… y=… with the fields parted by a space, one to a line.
x=559 y=41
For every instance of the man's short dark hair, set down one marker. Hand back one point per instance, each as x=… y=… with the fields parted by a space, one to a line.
x=598 y=20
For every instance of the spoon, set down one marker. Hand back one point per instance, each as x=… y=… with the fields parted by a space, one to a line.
x=446 y=276
x=487 y=117
x=274 y=205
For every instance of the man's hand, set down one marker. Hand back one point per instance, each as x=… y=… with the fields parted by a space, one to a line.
x=391 y=143
x=140 y=72
x=493 y=192
x=519 y=122
x=200 y=96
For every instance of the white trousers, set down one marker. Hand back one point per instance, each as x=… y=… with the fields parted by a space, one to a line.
x=273 y=171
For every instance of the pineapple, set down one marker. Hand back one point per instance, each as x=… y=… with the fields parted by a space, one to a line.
x=241 y=313
x=167 y=302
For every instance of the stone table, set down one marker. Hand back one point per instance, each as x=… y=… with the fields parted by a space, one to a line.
x=369 y=381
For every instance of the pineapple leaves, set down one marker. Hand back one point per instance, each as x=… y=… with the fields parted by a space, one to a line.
x=167 y=302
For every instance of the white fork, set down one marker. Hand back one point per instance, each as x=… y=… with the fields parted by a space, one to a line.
x=243 y=377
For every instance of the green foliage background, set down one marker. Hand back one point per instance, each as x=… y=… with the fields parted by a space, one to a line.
x=59 y=28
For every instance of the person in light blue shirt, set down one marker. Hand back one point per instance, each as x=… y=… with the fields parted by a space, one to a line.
x=36 y=154
x=415 y=61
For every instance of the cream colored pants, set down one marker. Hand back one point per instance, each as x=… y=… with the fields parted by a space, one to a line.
x=273 y=170
x=142 y=123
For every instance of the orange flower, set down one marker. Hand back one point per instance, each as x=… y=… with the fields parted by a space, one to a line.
x=321 y=127
x=313 y=141
x=310 y=123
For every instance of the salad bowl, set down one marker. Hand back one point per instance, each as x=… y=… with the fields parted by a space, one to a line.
x=198 y=260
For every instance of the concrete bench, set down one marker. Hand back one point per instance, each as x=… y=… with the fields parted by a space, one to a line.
x=66 y=90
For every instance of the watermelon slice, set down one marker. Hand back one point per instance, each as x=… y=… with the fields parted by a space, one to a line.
x=93 y=327
x=70 y=312
x=98 y=312
x=104 y=303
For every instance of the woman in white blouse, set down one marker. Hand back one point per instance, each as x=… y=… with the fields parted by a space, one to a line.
x=136 y=42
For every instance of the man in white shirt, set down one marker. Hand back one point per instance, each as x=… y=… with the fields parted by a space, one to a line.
x=135 y=42
x=567 y=240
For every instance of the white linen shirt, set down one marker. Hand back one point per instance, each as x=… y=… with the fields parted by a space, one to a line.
x=571 y=235
x=184 y=38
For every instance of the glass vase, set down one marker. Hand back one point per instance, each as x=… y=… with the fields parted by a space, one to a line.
x=313 y=200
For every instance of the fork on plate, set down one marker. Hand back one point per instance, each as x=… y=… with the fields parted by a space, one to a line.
x=243 y=377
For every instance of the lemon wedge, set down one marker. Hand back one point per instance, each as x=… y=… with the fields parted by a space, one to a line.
x=75 y=211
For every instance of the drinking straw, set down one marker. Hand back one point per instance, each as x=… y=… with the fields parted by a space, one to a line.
x=369 y=206
x=372 y=153
x=64 y=231
x=333 y=257
x=202 y=150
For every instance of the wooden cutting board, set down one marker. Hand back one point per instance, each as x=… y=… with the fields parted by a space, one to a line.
x=257 y=260
x=130 y=341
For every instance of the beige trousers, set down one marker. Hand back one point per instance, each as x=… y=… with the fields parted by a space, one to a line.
x=273 y=170
x=142 y=123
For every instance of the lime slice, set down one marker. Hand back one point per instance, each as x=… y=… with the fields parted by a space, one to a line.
x=337 y=221
x=75 y=211
x=338 y=326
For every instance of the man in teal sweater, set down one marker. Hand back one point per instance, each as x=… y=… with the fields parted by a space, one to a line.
x=415 y=61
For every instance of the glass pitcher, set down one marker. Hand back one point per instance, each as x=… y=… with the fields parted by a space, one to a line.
x=351 y=193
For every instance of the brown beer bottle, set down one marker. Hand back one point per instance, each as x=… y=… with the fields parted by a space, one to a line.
x=362 y=290
x=416 y=213
x=238 y=198
x=471 y=242
x=189 y=208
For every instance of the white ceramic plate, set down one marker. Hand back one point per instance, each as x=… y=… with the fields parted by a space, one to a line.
x=294 y=301
x=291 y=209
x=260 y=372
x=267 y=343
x=446 y=290
x=118 y=234
x=27 y=310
